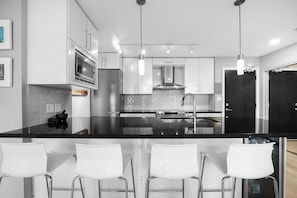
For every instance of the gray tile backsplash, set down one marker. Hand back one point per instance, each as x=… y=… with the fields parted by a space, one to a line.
x=165 y=100
x=39 y=96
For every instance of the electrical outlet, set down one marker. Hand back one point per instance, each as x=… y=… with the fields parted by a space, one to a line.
x=50 y=108
x=58 y=107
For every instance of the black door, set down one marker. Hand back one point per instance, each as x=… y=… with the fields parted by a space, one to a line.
x=283 y=101
x=240 y=105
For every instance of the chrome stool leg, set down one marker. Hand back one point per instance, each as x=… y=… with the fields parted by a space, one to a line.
x=233 y=190
x=81 y=187
x=183 y=183
x=99 y=189
x=73 y=184
x=275 y=186
x=133 y=180
x=223 y=185
x=49 y=185
x=147 y=183
x=2 y=178
x=200 y=192
x=126 y=185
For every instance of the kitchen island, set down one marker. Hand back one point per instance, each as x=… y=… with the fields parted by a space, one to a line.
x=143 y=127
x=136 y=135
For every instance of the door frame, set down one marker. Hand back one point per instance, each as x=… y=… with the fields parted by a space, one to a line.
x=266 y=88
x=257 y=99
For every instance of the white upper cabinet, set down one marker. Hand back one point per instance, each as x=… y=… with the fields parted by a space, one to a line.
x=77 y=24
x=199 y=75
x=50 y=25
x=110 y=61
x=168 y=61
x=133 y=83
x=81 y=30
x=92 y=39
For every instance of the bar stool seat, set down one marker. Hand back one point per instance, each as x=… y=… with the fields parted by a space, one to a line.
x=99 y=162
x=24 y=160
x=174 y=162
x=250 y=161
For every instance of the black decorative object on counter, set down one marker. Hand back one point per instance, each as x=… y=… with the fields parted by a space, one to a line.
x=59 y=120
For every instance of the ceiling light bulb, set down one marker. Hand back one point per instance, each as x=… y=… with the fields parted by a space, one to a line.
x=192 y=51
x=168 y=49
x=143 y=51
x=141 y=65
x=274 y=41
x=240 y=65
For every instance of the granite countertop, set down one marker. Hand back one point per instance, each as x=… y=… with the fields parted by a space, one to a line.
x=141 y=127
x=167 y=110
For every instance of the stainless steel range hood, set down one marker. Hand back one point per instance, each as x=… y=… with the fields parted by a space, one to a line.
x=167 y=75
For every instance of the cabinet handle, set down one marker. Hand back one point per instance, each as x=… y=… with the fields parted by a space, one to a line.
x=86 y=41
x=90 y=41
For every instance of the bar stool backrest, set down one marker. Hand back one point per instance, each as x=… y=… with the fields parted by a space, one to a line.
x=99 y=161
x=174 y=161
x=250 y=161
x=23 y=159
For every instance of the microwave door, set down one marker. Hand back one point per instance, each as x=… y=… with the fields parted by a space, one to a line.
x=84 y=68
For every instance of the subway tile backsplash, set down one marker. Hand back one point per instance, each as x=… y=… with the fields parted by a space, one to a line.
x=165 y=100
x=39 y=96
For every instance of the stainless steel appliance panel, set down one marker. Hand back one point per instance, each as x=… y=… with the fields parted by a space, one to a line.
x=106 y=101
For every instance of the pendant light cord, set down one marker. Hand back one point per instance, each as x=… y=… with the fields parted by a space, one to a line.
x=140 y=28
x=240 y=30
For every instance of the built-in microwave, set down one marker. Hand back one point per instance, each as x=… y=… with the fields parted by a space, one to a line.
x=85 y=68
x=82 y=67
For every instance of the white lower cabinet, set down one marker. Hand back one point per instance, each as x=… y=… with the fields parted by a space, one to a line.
x=199 y=75
x=133 y=83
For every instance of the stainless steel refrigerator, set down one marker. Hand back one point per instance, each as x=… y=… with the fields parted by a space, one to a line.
x=106 y=101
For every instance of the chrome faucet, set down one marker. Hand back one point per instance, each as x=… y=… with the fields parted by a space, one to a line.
x=194 y=108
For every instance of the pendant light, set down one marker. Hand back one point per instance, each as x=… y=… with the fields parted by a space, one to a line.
x=141 y=63
x=240 y=57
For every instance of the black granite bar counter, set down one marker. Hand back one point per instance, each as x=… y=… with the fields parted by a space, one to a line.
x=142 y=127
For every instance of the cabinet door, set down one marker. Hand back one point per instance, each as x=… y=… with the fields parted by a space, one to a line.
x=168 y=61
x=111 y=60
x=130 y=73
x=192 y=82
x=145 y=82
x=77 y=24
x=92 y=39
x=206 y=69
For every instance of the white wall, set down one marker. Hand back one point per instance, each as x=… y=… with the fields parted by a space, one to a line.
x=282 y=57
x=81 y=106
x=11 y=99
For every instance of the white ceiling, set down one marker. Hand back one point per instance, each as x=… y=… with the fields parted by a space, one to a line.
x=213 y=24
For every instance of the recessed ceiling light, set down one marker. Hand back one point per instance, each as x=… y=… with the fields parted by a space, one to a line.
x=274 y=41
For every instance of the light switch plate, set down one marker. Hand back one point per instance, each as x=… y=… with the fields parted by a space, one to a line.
x=49 y=108
x=58 y=107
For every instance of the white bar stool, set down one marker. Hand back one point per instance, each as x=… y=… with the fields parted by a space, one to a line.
x=99 y=162
x=25 y=160
x=174 y=162
x=250 y=161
